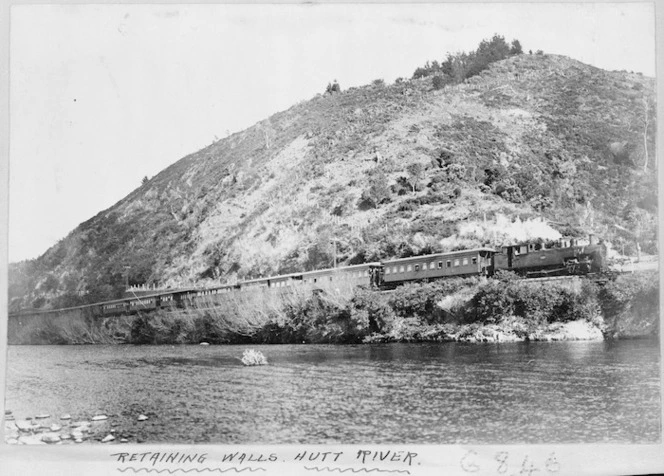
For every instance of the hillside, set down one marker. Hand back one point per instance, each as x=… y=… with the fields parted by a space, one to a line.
x=542 y=143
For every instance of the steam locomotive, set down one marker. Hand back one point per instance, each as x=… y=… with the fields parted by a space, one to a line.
x=564 y=257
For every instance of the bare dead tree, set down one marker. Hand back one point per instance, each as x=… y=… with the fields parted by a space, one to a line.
x=647 y=104
x=267 y=139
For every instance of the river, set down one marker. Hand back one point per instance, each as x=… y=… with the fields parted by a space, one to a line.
x=538 y=392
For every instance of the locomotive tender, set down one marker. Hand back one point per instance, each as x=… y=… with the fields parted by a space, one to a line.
x=565 y=257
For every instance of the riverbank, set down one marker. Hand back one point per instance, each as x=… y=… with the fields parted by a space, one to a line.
x=501 y=309
x=46 y=429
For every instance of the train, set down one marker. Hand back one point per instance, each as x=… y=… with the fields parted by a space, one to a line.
x=529 y=260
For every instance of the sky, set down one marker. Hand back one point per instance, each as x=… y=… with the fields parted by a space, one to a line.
x=104 y=95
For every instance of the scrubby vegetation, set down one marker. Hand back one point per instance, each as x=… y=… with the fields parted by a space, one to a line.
x=500 y=309
x=630 y=305
x=460 y=66
x=483 y=149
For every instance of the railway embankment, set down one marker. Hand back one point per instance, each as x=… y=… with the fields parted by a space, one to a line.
x=501 y=309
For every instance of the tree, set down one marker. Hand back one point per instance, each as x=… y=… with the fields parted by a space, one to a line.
x=144 y=180
x=457 y=66
x=333 y=88
x=378 y=191
x=489 y=52
x=438 y=82
x=516 y=48
x=648 y=109
x=415 y=172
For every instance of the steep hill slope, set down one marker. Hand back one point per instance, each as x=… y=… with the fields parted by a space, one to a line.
x=534 y=147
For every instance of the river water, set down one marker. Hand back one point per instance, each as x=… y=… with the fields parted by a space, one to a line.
x=557 y=392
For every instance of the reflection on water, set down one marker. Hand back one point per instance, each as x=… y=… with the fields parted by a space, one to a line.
x=402 y=393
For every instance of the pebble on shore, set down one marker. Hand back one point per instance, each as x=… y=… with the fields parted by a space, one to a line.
x=43 y=429
x=50 y=438
x=31 y=440
x=142 y=417
x=23 y=425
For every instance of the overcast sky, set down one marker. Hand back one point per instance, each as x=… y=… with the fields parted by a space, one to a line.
x=103 y=95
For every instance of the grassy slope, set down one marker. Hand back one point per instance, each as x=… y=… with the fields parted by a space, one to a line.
x=534 y=136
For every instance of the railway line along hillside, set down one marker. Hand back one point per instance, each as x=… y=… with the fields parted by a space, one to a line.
x=534 y=147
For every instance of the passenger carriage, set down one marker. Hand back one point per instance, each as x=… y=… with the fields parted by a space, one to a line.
x=474 y=262
x=367 y=274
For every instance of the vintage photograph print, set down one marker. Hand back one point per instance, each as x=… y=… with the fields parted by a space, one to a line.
x=409 y=224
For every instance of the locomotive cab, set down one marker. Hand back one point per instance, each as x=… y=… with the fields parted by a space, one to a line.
x=565 y=257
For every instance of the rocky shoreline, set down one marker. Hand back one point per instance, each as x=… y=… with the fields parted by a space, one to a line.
x=63 y=430
x=515 y=330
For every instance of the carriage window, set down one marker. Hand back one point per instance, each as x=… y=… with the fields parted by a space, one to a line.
x=465 y=261
x=410 y=267
x=474 y=260
x=456 y=262
x=448 y=264
x=401 y=269
x=440 y=264
x=417 y=267
x=387 y=270
x=523 y=249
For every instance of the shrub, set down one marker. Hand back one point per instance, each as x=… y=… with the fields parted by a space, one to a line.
x=252 y=357
x=418 y=300
x=539 y=303
x=438 y=82
x=373 y=307
x=333 y=88
x=378 y=191
x=616 y=296
x=141 y=330
x=320 y=319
